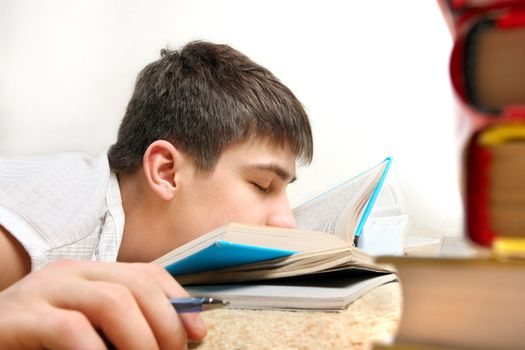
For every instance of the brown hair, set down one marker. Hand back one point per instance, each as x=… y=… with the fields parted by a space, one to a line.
x=204 y=98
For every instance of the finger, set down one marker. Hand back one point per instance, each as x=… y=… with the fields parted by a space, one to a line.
x=65 y=330
x=112 y=308
x=153 y=299
x=150 y=285
x=193 y=322
x=150 y=297
x=81 y=334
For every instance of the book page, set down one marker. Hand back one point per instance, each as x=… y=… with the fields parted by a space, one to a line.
x=387 y=226
x=337 y=211
x=250 y=242
x=319 y=293
x=390 y=201
x=384 y=235
x=348 y=258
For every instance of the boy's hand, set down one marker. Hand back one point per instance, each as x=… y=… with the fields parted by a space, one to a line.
x=63 y=305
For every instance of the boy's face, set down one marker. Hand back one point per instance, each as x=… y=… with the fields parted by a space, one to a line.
x=248 y=185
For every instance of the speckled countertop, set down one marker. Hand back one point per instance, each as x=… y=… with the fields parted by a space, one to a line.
x=373 y=317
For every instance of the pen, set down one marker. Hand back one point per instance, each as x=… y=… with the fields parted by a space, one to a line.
x=197 y=304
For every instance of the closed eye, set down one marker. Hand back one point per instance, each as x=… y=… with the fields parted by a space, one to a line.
x=261 y=188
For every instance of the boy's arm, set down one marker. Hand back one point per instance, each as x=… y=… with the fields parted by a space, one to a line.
x=67 y=303
x=14 y=261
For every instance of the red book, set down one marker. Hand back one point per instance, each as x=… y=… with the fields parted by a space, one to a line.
x=487 y=71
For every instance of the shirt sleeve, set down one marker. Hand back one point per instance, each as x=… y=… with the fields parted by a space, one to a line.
x=54 y=204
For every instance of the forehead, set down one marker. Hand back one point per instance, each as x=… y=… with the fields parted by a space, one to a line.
x=264 y=154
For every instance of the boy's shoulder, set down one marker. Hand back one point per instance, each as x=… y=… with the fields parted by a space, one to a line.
x=27 y=163
x=60 y=198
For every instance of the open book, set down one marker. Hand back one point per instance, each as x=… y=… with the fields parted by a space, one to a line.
x=368 y=209
x=263 y=267
x=237 y=253
x=323 y=292
x=344 y=210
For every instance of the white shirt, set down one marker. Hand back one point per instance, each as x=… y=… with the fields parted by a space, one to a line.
x=62 y=206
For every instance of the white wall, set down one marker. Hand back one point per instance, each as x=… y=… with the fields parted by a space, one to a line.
x=372 y=75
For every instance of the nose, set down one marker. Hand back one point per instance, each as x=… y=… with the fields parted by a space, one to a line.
x=281 y=214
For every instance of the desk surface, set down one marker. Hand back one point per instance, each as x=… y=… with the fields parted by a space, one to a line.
x=373 y=317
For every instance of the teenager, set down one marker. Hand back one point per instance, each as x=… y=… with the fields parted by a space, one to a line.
x=208 y=137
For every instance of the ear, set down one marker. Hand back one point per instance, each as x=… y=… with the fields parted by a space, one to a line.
x=161 y=164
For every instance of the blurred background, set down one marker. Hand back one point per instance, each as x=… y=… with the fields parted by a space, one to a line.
x=373 y=76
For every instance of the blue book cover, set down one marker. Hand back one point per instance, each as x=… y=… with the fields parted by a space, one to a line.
x=373 y=197
x=222 y=254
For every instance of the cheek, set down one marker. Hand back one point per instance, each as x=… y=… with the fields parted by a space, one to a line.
x=224 y=199
x=240 y=204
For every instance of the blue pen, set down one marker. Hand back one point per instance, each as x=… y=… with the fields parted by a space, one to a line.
x=196 y=304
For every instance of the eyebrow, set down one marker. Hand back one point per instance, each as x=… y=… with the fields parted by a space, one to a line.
x=274 y=168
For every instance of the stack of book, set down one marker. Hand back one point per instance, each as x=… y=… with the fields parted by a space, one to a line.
x=487 y=70
x=476 y=302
